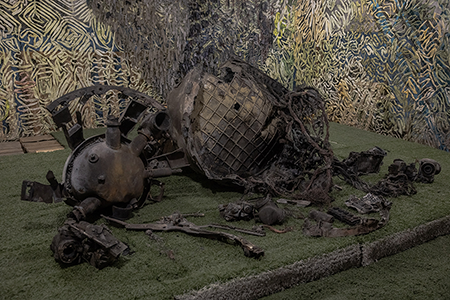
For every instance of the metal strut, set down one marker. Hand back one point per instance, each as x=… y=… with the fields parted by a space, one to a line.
x=176 y=222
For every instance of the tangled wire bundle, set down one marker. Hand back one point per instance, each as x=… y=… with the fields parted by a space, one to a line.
x=301 y=167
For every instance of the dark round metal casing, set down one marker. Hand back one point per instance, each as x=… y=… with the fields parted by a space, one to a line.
x=271 y=214
x=429 y=167
x=105 y=167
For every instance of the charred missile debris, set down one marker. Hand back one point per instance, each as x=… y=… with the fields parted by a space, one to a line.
x=240 y=129
x=177 y=222
x=247 y=129
x=82 y=241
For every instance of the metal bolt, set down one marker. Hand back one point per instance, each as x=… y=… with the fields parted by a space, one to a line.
x=101 y=179
x=93 y=158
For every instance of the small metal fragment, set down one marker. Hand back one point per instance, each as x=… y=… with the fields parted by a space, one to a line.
x=367 y=204
x=320 y=216
x=344 y=216
x=176 y=222
x=301 y=203
x=81 y=241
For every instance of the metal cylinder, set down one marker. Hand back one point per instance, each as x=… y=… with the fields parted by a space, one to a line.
x=429 y=167
x=113 y=133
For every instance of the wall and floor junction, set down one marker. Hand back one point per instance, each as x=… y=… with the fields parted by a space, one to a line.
x=381 y=65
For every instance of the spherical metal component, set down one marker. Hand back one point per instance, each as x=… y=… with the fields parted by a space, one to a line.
x=116 y=177
x=96 y=170
x=226 y=126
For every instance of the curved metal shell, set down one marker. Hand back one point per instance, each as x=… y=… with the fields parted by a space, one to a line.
x=226 y=126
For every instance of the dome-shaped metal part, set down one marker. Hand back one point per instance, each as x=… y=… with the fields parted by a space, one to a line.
x=225 y=125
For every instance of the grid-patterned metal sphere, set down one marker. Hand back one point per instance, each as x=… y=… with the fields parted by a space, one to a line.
x=225 y=125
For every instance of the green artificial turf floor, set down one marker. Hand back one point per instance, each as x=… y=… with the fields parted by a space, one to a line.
x=419 y=273
x=28 y=270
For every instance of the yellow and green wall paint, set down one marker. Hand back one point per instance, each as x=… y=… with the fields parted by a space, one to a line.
x=381 y=65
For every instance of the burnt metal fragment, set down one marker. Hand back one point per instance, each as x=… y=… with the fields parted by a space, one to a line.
x=269 y=213
x=320 y=216
x=256 y=230
x=357 y=164
x=428 y=168
x=367 y=204
x=398 y=181
x=62 y=117
x=176 y=222
x=108 y=169
x=224 y=125
x=344 y=216
x=399 y=168
x=77 y=242
x=263 y=210
x=365 y=162
x=301 y=203
x=38 y=192
x=235 y=129
x=401 y=176
x=236 y=211
x=358 y=225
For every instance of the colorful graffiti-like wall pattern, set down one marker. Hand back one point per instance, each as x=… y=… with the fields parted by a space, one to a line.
x=381 y=65
x=47 y=49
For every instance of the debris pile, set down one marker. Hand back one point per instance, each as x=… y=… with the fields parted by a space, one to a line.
x=240 y=129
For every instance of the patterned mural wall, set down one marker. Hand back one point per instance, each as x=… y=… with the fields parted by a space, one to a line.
x=382 y=65
x=49 y=48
